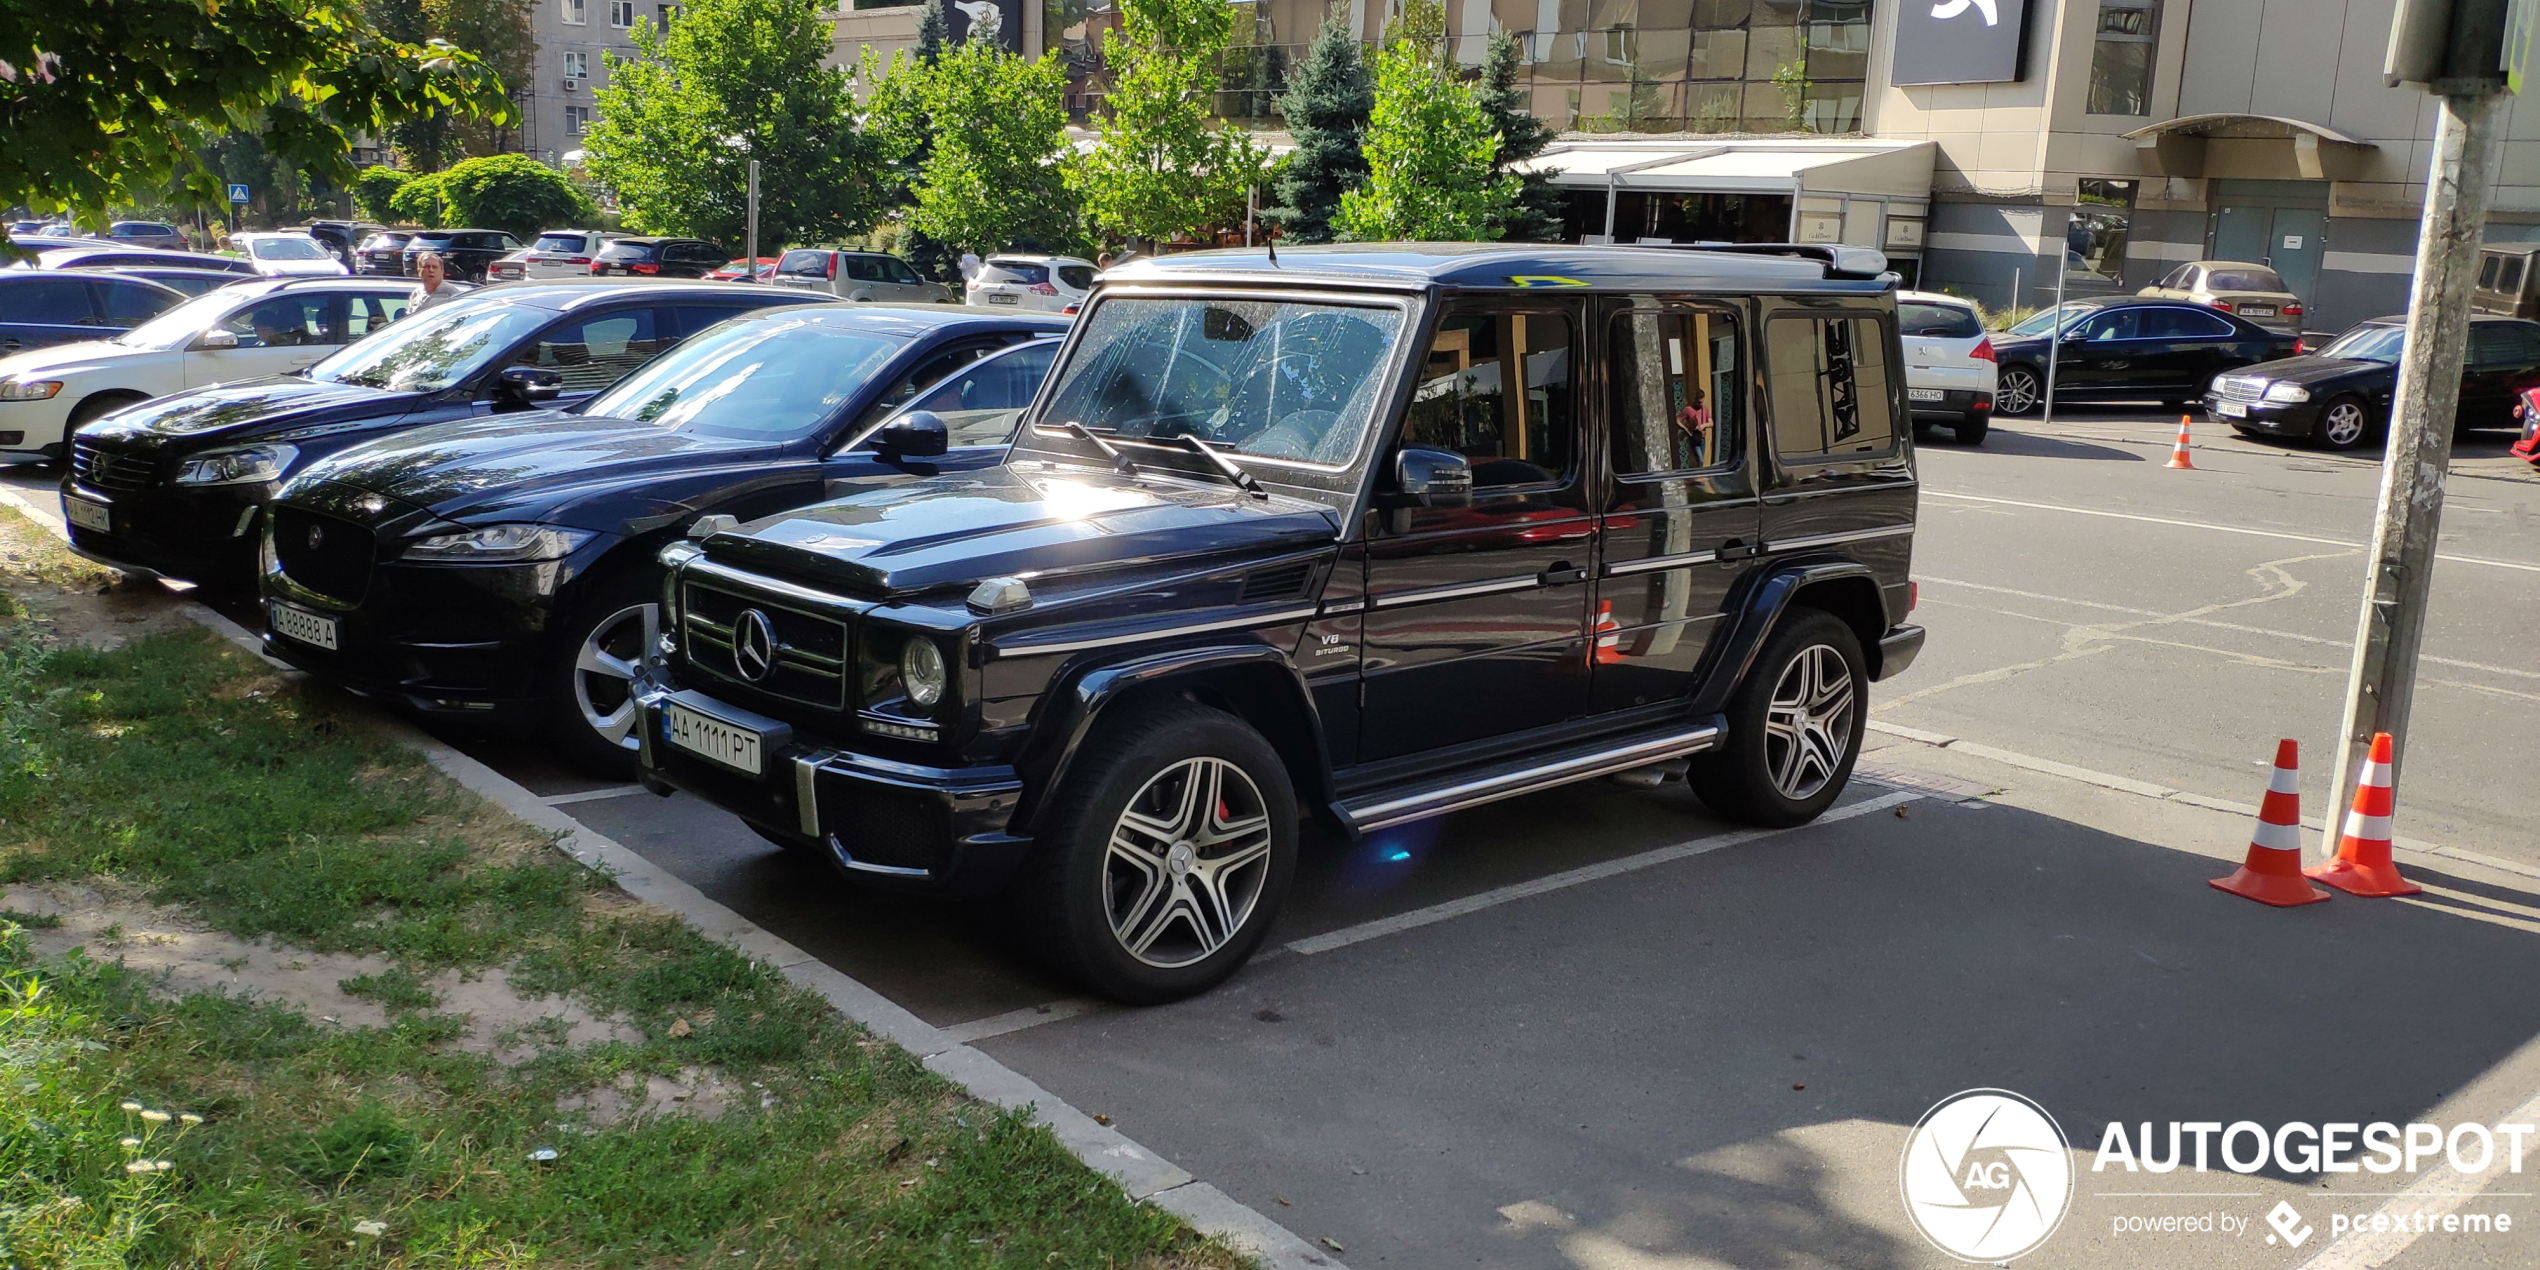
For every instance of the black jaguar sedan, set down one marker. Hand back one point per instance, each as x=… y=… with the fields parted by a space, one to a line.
x=176 y=482
x=2132 y=350
x=2339 y=397
x=502 y=571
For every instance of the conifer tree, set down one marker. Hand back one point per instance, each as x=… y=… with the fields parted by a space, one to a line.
x=933 y=31
x=1534 y=215
x=1326 y=106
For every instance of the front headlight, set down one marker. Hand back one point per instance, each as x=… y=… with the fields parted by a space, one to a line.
x=29 y=389
x=922 y=672
x=500 y=543
x=2288 y=392
x=245 y=465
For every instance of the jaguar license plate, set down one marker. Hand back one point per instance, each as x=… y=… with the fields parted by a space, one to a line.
x=1000 y=297
x=1923 y=394
x=88 y=515
x=2231 y=410
x=299 y=625
x=737 y=748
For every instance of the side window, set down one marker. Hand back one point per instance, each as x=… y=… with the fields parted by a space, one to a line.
x=2509 y=274
x=1830 y=386
x=1496 y=388
x=937 y=365
x=900 y=272
x=129 y=303
x=864 y=269
x=2115 y=324
x=2487 y=272
x=980 y=402
x=286 y=321
x=367 y=313
x=2184 y=324
x=592 y=352
x=1675 y=404
x=1077 y=277
x=694 y=318
x=46 y=301
x=2496 y=344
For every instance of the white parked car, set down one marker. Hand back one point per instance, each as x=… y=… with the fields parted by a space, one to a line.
x=558 y=253
x=247 y=331
x=1053 y=283
x=288 y=255
x=857 y=275
x=1949 y=364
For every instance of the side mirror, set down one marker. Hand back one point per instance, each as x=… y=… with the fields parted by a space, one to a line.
x=217 y=338
x=528 y=385
x=1433 y=477
x=915 y=434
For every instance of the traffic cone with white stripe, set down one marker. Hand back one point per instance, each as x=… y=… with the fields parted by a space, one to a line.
x=1609 y=641
x=2178 y=456
x=2272 y=873
x=2363 y=866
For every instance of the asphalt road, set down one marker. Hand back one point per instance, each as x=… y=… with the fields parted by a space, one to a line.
x=1680 y=1045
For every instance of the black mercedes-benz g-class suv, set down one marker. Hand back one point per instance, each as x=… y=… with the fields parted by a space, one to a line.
x=1369 y=533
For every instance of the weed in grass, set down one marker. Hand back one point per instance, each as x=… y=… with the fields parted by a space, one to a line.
x=32 y=921
x=399 y=990
x=367 y=1141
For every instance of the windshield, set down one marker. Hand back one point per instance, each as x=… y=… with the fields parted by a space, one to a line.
x=433 y=350
x=286 y=249
x=2036 y=323
x=1265 y=379
x=771 y=378
x=2369 y=344
x=177 y=326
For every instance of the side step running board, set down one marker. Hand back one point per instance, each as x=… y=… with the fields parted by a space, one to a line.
x=1472 y=787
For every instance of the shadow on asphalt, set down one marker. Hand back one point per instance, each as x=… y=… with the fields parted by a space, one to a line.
x=2011 y=443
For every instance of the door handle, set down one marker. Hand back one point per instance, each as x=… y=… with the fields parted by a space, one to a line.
x=1562 y=573
x=1736 y=549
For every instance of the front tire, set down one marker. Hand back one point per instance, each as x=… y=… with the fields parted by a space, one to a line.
x=2343 y=424
x=1794 y=726
x=2019 y=390
x=591 y=715
x=1168 y=855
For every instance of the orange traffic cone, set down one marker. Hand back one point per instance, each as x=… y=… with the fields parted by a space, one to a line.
x=2273 y=872
x=2363 y=866
x=2178 y=456
x=1608 y=635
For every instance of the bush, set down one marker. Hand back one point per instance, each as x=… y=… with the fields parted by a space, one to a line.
x=513 y=192
x=375 y=191
x=418 y=201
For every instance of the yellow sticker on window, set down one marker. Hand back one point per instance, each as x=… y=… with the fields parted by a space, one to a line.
x=1542 y=280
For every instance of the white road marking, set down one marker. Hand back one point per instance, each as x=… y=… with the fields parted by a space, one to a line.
x=592 y=795
x=1030 y=1016
x=1493 y=898
x=2438 y=1192
x=2209 y=525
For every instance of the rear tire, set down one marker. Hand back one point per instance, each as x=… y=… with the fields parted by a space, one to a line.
x=1794 y=726
x=591 y=714
x=2018 y=391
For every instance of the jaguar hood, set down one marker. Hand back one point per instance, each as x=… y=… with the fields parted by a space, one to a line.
x=256 y=409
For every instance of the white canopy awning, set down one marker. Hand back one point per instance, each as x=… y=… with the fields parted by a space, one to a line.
x=1794 y=165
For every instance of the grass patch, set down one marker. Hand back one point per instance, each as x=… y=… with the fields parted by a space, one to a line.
x=179 y=768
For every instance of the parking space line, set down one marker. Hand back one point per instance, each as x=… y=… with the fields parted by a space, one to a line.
x=2206 y=524
x=1435 y=913
x=593 y=795
x=1030 y=1016
x=2366 y=1249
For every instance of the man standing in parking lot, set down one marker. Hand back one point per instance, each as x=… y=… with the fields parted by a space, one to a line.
x=437 y=287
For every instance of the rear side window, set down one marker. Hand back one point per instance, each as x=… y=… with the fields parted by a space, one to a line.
x=623 y=250
x=364 y=314
x=899 y=272
x=591 y=353
x=804 y=264
x=1077 y=277
x=2115 y=324
x=1830 y=386
x=695 y=318
x=865 y=269
x=132 y=302
x=2503 y=344
x=980 y=402
x=1675 y=392
x=1940 y=321
x=49 y=301
x=2184 y=324
x=285 y=321
x=2509 y=274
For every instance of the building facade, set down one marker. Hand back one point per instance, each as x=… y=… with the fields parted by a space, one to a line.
x=567 y=69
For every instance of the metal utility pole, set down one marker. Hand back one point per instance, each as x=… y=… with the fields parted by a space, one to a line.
x=2054 y=340
x=2459 y=51
x=749 y=251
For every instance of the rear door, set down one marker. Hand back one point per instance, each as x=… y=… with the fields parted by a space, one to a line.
x=1681 y=514
x=48 y=309
x=1839 y=482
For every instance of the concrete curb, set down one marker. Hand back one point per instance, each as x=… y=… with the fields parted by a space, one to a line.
x=1143 y=1174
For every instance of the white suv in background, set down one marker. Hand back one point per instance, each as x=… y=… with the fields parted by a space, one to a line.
x=857 y=275
x=558 y=253
x=1949 y=363
x=1056 y=284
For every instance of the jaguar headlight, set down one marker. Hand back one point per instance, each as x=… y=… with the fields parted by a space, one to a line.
x=922 y=672
x=2287 y=392
x=499 y=544
x=240 y=465
x=29 y=389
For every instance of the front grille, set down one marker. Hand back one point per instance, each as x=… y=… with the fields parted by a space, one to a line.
x=329 y=556
x=102 y=469
x=810 y=657
x=2239 y=387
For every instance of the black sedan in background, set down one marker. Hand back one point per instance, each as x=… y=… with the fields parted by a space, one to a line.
x=2339 y=397
x=39 y=309
x=383 y=253
x=503 y=571
x=659 y=258
x=179 y=479
x=467 y=254
x=2132 y=350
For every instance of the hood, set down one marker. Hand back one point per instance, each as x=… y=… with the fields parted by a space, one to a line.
x=328 y=268
x=955 y=530
x=2314 y=370
x=69 y=359
x=453 y=468
x=253 y=409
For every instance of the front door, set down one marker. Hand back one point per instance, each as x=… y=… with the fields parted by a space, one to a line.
x=2101 y=355
x=1681 y=517
x=1477 y=621
x=277 y=335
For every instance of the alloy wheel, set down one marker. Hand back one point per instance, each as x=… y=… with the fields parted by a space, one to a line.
x=2017 y=393
x=1186 y=862
x=1808 y=726
x=604 y=671
x=2343 y=425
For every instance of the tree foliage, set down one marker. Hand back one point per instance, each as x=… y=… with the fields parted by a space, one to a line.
x=1162 y=164
x=733 y=80
x=420 y=201
x=1326 y=107
x=1533 y=214
x=1431 y=156
x=513 y=192
x=375 y=187
x=102 y=104
x=982 y=134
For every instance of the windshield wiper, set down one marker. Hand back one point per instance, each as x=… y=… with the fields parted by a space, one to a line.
x=1225 y=466
x=1119 y=461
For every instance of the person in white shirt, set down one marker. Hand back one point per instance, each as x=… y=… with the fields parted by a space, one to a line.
x=437 y=287
x=969 y=267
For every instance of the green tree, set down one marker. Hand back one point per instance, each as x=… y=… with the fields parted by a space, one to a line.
x=988 y=130
x=933 y=31
x=1326 y=109
x=1534 y=214
x=1431 y=157
x=1162 y=165
x=420 y=202
x=105 y=104
x=373 y=189
x=513 y=192
x=731 y=81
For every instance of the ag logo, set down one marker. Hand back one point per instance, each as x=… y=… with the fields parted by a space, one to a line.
x=1987 y=1175
x=753 y=645
x=1948 y=9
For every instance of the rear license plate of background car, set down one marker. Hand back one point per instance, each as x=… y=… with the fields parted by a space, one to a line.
x=2257 y=310
x=1923 y=394
x=88 y=515
x=303 y=626
x=997 y=297
x=736 y=748
x=2231 y=410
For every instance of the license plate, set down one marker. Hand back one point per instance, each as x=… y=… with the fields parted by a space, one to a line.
x=736 y=748
x=1924 y=394
x=2231 y=410
x=2257 y=310
x=302 y=626
x=999 y=297
x=88 y=515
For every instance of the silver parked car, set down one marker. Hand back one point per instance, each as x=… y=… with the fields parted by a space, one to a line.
x=858 y=275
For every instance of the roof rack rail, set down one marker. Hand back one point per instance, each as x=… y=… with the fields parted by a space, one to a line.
x=1866 y=263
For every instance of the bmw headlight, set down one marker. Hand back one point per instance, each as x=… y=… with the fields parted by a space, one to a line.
x=242 y=465
x=2287 y=392
x=922 y=672
x=29 y=389
x=499 y=543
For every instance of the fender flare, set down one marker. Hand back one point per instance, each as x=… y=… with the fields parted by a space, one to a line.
x=1760 y=613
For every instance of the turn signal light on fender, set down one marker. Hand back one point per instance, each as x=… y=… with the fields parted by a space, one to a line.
x=1983 y=351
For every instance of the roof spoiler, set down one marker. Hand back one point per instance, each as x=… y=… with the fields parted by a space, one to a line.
x=1866 y=264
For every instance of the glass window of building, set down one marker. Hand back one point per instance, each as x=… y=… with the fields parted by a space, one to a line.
x=2095 y=237
x=2121 y=57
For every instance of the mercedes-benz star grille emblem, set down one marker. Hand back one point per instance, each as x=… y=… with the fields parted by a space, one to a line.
x=753 y=645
